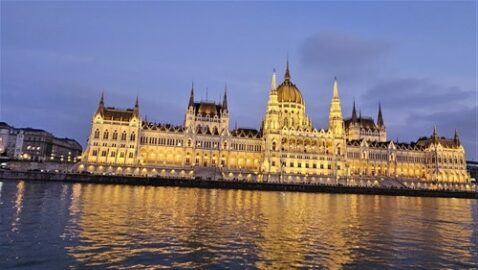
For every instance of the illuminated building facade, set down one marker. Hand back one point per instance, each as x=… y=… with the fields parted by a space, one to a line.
x=33 y=144
x=286 y=148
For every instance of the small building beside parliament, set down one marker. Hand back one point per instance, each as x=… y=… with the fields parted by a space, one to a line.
x=286 y=148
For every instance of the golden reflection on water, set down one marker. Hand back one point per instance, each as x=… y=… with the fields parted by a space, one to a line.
x=18 y=204
x=157 y=227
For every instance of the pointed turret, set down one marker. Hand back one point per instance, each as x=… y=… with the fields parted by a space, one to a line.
x=191 y=97
x=380 y=117
x=271 y=120
x=456 y=138
x=435 y=135
x=136 y=107
x=101 y=104
x=354 y=113
x=274 y=80
x=224 y=100
x=287 y=72
x=336 y=123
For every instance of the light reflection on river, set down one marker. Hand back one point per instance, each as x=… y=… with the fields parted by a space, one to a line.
x=60 y=225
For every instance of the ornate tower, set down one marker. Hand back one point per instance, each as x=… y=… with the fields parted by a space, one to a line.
x=336 y=122
x=271 y=131
x=271 y=118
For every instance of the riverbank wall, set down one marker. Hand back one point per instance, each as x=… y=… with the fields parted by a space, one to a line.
x=228 y=184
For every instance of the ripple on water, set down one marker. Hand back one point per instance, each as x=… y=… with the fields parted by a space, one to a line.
x=48 y=225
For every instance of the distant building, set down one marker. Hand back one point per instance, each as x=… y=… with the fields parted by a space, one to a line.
x=472 y=167
x=36 y=145
x=286 y=148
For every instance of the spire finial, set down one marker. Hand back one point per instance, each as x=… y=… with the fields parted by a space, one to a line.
x=136 y=103
x=380 y=117
x=191 y=97
x=274 y=80
x=287 y=72
x=335 y=93
x=224 y=100
x=435 y=134
x=101 y=105
x=456 y=138
x=354 y=113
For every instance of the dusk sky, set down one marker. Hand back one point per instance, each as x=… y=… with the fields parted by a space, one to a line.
x=417 y=58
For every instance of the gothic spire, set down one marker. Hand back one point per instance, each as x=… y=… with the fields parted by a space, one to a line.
x=191 y=97
x=456 y=138
x=224 y=100
x=136 y=107
x=101 y=105
x=335 y=113
x=380 y=117
x=435 y=135
x=354 y=113
x=335 y=93
x=273 y=81
x=287 y=72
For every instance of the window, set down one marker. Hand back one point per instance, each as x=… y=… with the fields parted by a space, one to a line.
x=130 y=155
x=113 y=154
x=115 y=135
x=121 y=155
x=273 y=163
x=105 y=135
x=94 y=153
x=103 y=153
x=292 y=164
x=329 y=166
x=123 y=136
x=97 y=134
x=132 y=137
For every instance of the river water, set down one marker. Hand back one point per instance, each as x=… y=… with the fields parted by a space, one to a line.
x=62 y=225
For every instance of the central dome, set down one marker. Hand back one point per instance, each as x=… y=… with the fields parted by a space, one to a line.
x=288 y=92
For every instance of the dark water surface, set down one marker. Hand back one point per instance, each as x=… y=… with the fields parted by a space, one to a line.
x=62 y=225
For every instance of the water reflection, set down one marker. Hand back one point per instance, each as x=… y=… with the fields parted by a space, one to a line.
x=137 y=227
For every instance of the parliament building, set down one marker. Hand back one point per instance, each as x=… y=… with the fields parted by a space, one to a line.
x=286 y=149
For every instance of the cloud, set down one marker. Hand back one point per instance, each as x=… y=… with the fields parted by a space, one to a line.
x=416 y=94
x=342 y=54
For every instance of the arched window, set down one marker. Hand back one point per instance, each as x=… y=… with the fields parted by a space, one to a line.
x=132 y=137
x=115 y=135
x=105 y=135
x=97 y=134
x=274 y=146
x=123 y=136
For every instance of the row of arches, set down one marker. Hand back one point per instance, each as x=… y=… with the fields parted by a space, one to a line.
x=106 y=135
